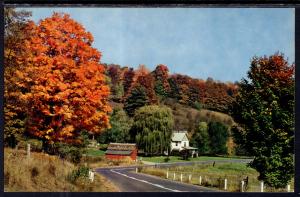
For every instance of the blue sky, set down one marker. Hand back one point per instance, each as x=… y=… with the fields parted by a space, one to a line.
x=199 y=42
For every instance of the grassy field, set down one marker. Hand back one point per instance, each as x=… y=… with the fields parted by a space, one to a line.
x=214 y=176
x=95 y=152
x=45 y=173
x=162 y=159
x=219 y=169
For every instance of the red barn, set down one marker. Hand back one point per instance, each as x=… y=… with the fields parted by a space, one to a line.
x=121 y=151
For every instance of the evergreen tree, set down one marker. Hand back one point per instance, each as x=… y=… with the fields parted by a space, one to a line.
x=161 y=75
x=159 y=89
x=135 y=100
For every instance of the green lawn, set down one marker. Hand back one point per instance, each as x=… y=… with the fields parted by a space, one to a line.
x=94 y=152
x=220 y=169
x=161 y=159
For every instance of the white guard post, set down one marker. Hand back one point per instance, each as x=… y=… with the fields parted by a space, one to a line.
x=288 y=188
x=91 y=175
x=242 y=186
x=261 y=186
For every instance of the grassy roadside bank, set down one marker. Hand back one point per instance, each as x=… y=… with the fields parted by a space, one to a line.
x=45 y=173
x=214 y=176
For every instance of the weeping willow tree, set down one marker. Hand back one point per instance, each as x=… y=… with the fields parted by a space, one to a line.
x=152 y=128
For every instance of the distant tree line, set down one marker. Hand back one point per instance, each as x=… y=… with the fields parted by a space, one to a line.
x=140 y=87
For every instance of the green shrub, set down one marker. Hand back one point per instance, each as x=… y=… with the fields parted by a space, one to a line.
x=81 y=171
x=72 y=154
x=69 y=152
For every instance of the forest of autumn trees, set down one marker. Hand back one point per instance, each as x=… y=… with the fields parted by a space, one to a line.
x=152 y=87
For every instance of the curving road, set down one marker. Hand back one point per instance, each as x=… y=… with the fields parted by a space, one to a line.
x=127 y=180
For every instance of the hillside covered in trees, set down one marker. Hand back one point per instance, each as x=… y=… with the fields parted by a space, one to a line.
x=158 y=86
x=190 y=100
x=59 y=93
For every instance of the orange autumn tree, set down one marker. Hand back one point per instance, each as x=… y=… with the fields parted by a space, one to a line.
x=66 y=83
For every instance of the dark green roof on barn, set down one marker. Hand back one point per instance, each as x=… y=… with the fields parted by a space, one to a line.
x=120 y=148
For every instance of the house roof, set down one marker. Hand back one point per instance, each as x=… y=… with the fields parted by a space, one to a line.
x=121 y=147
x=177 y=137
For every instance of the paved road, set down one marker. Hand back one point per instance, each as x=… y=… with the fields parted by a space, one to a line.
x=127 y=180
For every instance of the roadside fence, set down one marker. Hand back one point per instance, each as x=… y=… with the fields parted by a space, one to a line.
x=231 y=183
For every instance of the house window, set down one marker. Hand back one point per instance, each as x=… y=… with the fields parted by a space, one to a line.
x=184 y=144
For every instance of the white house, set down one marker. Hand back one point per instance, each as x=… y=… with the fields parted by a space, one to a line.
x=180 y=141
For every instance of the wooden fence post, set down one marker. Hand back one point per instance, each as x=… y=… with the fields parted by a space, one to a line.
x=181 y=177
x=261 y=186
x=225 y=184
x=288 y=188
x=190 y=178
x=200 y=180
x=28 y=150
x=167 y=174
x=174 y=176
x=136 y=170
